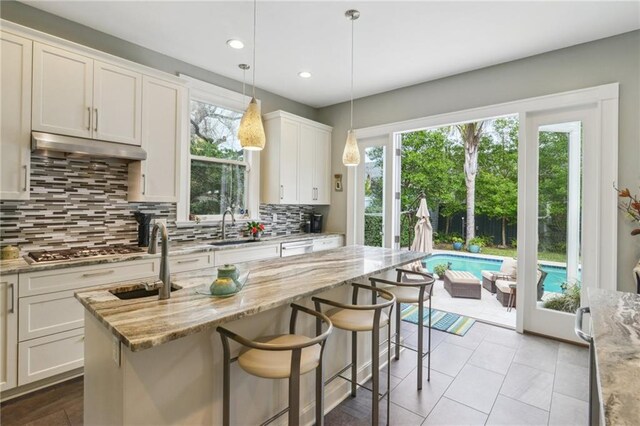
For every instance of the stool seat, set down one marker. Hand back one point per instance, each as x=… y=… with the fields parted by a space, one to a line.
x=405 y=294
x=355 y=320
x=277 y=364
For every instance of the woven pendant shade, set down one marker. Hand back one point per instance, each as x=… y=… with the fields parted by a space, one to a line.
x=251 y=131
x=351 y=154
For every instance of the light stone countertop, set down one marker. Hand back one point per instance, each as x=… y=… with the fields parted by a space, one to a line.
x=147 y=322
x=615 y=328
x=20 y=265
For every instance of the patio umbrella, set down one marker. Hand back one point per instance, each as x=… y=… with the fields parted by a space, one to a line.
x=423 y=240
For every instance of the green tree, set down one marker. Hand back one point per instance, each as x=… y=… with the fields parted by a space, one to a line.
x=497 y=185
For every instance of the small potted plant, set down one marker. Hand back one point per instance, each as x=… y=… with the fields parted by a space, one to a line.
x=457 y=243
x=475 y=244
x=441 y=268
x=255 y=229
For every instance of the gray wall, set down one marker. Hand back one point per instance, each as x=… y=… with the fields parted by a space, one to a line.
x=614 y=59
x=69 y=30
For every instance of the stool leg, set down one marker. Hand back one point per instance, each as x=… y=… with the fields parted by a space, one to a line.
x=226 y=384
x=319 y=395
x=429 y=348
x=375 y=374
x=294 y=388
x=420 y=342
x=398 y=319
x=388 y=374
x=354 y=363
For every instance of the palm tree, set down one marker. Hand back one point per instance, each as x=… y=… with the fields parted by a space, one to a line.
x=471 y=134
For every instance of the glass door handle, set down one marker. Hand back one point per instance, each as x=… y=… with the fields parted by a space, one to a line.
x=578 y=328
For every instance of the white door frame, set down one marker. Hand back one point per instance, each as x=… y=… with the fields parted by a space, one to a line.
x=356 y=182
x=606 y=98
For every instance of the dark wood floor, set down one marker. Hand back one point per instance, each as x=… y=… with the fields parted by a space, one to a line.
x=59 y=405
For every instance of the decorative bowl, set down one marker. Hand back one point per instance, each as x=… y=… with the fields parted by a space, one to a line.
x=227 y=281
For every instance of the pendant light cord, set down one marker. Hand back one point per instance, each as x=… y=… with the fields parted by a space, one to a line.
x=352 y=23
x=255 y=19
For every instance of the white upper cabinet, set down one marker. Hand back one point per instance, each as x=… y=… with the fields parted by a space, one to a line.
x=156 y=178
x=296 y=162
x=74 y=95
x=62 y=91
x=117 y=104
x=15 y=116
x=322 y=167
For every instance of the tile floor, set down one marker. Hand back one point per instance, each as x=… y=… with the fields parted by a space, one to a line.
x=491 y=376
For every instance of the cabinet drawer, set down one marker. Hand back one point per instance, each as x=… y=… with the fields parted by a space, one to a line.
x=48 y=314
x=50 y=355
x=191 y=262
x=86 y=276
x=247 y=254
x=327 y=243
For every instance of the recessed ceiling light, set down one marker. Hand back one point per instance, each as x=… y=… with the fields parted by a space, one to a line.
x=304 y=74
x=234 y=43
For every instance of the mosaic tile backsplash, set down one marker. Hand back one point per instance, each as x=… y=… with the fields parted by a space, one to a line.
x=83 y=202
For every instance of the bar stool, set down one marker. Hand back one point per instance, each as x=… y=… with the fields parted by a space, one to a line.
x=356 y=318
x=411 y=287
x=284 y=356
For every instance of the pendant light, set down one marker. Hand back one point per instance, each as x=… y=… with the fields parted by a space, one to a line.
x=351 y=154
x=251 y=131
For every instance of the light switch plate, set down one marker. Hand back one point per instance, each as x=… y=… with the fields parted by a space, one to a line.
x=163 y=221
x=275 y=217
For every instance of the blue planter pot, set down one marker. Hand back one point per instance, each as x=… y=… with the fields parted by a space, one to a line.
x=457 y=246
x=474 y=248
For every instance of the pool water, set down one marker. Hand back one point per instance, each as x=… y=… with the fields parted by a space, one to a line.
x=556 y=275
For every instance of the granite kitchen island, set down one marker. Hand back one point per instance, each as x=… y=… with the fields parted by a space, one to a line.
x=149 y=361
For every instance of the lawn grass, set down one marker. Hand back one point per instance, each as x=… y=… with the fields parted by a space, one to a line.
x=513 y=252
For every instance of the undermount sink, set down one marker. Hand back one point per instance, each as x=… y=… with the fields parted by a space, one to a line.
x=138 y=293
x=232 y=242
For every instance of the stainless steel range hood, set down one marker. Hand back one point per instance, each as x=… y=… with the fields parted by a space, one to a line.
x=45 y=143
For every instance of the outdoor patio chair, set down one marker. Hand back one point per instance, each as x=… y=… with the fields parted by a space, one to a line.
x=507 y=271
x=506 y=290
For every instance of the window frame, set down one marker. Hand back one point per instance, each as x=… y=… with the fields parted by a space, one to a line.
x=201 y=91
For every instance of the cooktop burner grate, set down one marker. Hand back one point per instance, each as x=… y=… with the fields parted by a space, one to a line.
x=81 y=253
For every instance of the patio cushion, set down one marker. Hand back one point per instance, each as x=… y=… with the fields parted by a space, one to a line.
x=509 y=266
x=503 y=285
x=488 y=275
x=463 y=277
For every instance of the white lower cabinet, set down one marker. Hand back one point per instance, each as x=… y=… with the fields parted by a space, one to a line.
x=247 y=254
x=47 y=314
x=50 y=355
x=191 y=262
x=320 y=244
x=8 y=331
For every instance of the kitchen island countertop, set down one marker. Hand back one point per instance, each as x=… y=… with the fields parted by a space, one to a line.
x=615 y=328
x=147 y=322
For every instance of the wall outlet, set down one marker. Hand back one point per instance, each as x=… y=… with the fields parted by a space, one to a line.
x=275 y=217
x=115 y=351
x=163 y=221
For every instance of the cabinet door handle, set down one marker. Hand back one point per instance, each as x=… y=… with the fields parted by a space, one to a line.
x=578 y=326
x=144 y=184
x=88 y=118
x=188 y=261
x=95 y=274
x=26 y=178
x=13 y=296
x=281 y=192
x=96 y=128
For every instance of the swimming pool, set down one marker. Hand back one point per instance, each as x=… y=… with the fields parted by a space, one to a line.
x=556 y=275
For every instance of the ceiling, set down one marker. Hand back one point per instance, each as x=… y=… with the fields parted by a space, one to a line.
x=397 y=43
